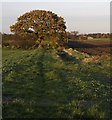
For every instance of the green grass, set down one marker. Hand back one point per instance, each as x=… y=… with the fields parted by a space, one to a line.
x=96 y=41
x=39 y=84
x=99 y=39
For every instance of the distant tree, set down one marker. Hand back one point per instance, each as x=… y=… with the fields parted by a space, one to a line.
x=48 y=27
x=74 y=33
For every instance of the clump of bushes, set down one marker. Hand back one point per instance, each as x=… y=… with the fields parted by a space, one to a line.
x=16 y=41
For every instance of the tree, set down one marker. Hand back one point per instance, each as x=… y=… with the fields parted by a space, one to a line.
x=48 y=27
x=74 y=33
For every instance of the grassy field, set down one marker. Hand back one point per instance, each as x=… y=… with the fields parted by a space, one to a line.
x=97 y=40
x=41 y=84
x=92 y=47
x=94 y=42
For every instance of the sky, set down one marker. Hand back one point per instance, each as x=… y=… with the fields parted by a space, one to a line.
x=55 y=0
x=85 y=17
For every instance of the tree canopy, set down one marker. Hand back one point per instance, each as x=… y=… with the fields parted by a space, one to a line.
x=48 y=27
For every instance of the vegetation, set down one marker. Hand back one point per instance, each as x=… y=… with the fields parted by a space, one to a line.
x=17 y=41
x=92 y=47
x=44 y=84
x=54 y=83
x=96 y=41
x=47 y=27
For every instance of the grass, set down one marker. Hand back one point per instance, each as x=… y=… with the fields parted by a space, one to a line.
x=97 y=41
x=40 y=84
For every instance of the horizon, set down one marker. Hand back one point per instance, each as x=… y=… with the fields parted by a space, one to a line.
x=88 y=17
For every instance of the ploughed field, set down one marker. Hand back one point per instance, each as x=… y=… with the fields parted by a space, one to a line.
x=43 y=84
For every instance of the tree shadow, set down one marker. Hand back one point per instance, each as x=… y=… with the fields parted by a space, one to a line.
x=66 y=57
x=39 y=96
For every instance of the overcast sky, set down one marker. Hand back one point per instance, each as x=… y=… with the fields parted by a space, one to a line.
x=85 y=17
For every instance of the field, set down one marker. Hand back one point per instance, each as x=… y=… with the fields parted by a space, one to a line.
x=92 y=47
x=96 y=40
x=43 y=84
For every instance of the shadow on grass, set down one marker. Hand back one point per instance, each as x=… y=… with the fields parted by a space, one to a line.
x=66 y=57
x=37 y=95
